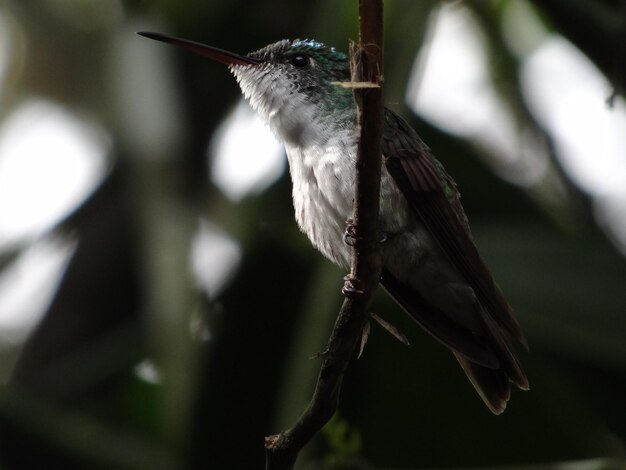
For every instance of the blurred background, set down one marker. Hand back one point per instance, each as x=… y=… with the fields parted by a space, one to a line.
x=159 y=307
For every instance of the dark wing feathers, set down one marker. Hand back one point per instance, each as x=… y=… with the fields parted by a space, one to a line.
x=403 y=148
x=434 y=197
x=432 y=194
x=438 y=324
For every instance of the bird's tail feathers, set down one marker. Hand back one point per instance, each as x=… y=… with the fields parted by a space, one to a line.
x=487 y=357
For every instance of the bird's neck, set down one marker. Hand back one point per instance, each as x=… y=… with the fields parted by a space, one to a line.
x=300 y=119
x=308 y=124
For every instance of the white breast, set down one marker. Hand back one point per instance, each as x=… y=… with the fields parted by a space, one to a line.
x=322 y=197
x=323 y=193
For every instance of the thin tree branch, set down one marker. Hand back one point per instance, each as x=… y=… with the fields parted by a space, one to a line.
x=367 y=65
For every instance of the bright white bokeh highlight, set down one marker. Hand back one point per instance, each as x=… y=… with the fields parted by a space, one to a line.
x=449 y=84
x=148 y=371
x=28 y=285
x=214 y=258
x=568 y=96
x=451 y=87
x=247 y=158
x=566 y=93
x=50 y=160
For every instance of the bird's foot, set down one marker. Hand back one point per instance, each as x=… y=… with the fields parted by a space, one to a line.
x=349 y=235
x=350 y=287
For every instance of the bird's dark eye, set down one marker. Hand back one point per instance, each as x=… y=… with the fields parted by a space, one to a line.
x=300 y=61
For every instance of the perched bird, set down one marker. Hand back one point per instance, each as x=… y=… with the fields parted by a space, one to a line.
x=431 y=266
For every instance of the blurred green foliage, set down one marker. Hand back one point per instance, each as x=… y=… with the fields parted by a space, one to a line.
x=344 y=444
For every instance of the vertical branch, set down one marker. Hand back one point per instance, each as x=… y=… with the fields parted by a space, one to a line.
x=367 y=65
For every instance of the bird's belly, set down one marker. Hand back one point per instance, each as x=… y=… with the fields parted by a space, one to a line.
x=324 y=225
x=323 y=194
x=322 y=201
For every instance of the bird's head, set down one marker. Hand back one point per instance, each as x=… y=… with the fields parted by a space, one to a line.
x=292 y=84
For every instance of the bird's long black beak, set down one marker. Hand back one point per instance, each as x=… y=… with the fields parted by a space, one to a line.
x=219 y=55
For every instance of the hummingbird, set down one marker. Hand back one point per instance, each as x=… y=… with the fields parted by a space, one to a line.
x=431 y=265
